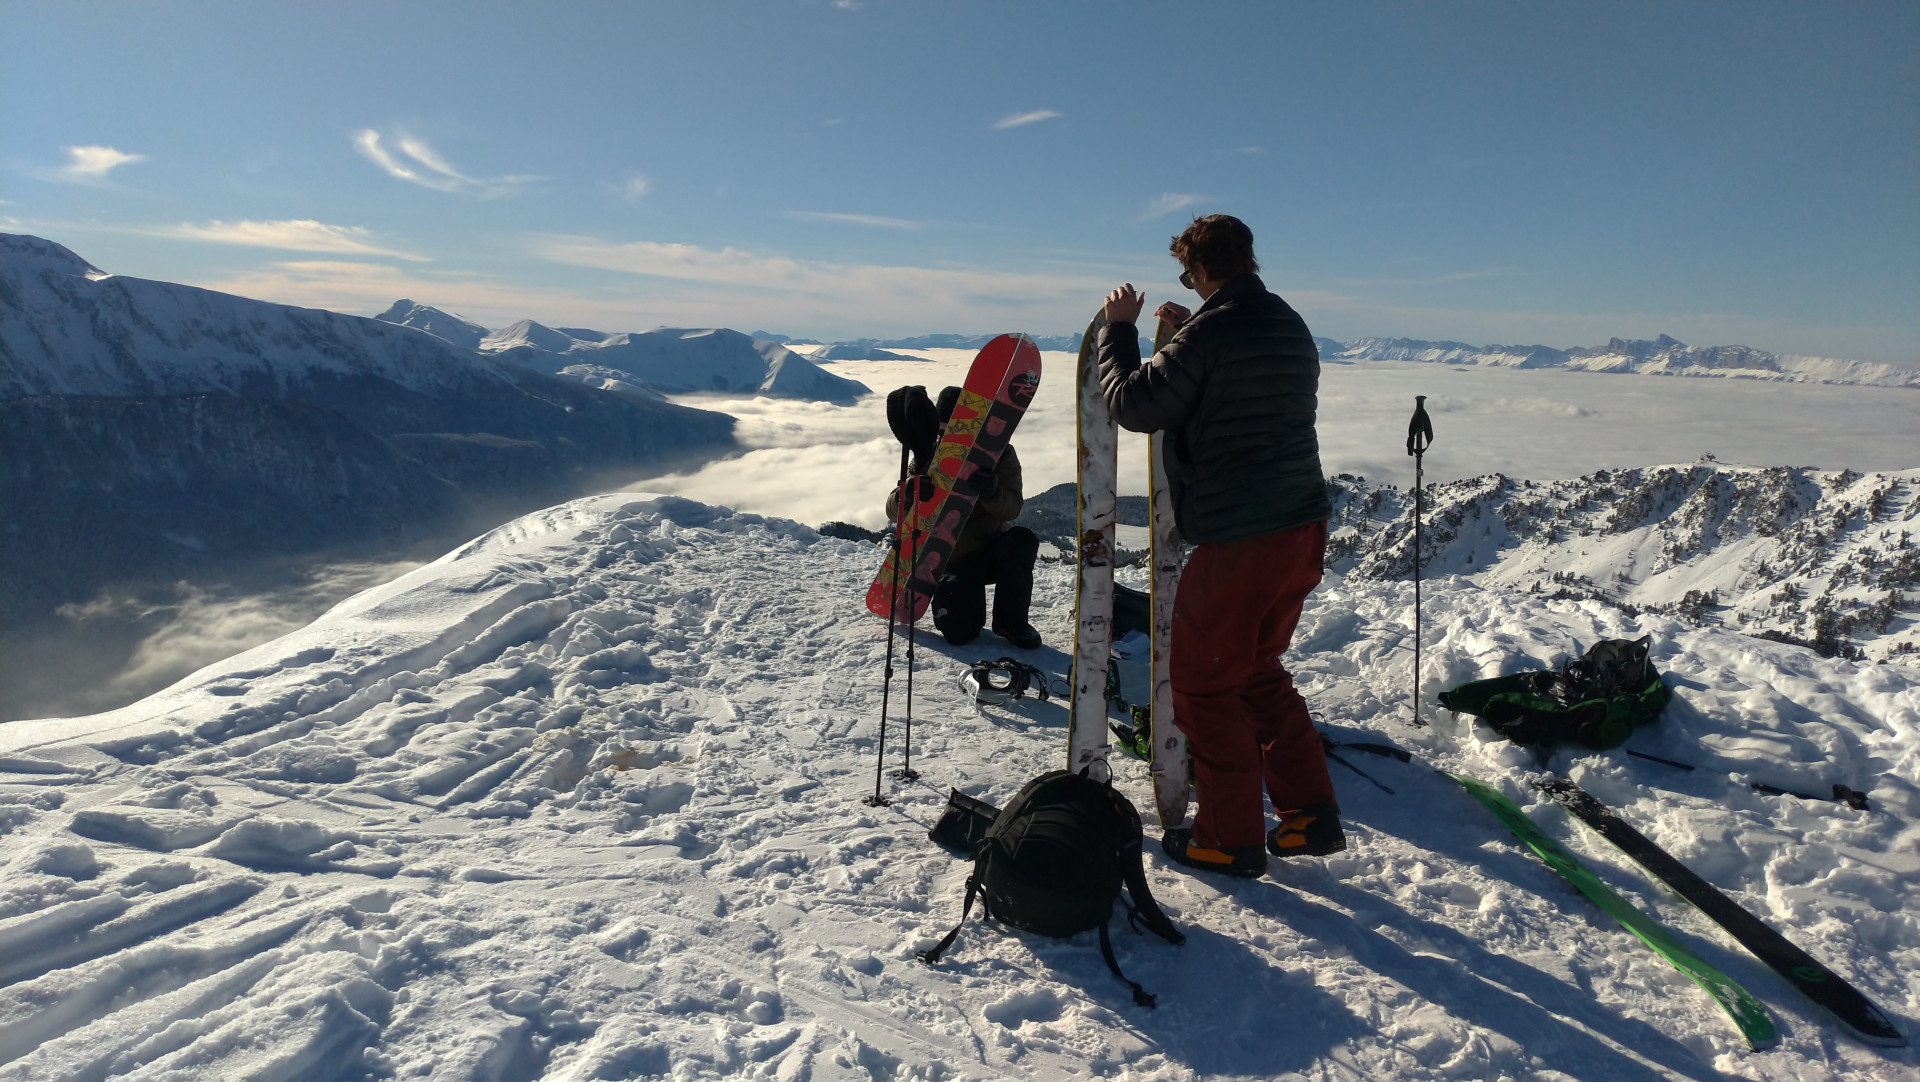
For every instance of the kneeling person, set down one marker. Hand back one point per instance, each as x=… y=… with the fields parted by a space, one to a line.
x=988 y=551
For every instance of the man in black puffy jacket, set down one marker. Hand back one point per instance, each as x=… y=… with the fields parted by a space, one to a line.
x=1235 y=390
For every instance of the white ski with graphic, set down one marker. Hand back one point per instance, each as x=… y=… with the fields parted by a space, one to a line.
x=1169 y=756
x=1093 y=588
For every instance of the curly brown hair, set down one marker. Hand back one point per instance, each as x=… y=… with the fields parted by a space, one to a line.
x=1219 y=242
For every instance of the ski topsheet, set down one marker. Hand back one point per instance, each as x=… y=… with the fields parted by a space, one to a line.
x=1820 y=984
x=1747 y=1013
x=1169 y=744
x=1093 y=587
x=999 y=386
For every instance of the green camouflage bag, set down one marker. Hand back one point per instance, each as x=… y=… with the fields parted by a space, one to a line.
x=1596 y=700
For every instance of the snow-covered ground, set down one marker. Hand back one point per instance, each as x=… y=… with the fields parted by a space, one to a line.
x=582 y=800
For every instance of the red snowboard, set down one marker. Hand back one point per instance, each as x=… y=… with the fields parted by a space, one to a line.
x=1001 y=383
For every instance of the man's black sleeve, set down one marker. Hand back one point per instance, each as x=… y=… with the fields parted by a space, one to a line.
x=1151 y=397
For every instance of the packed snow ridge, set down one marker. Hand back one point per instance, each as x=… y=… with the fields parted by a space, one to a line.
x=582 y=800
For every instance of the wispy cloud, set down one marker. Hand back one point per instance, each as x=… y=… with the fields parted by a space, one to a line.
x=91 y=164
x=1168 y=203
x=1018 y=119
x=1246 y=150
x=293 y=235
x=428 y=169
x=636 y=186
x=359 y=286
x=732 y=285
x=853 y=219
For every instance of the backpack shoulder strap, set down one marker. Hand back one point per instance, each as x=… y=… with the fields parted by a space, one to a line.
x=1134 y=873
x=1140 y=995
x=1144 y=907
x=932 y=957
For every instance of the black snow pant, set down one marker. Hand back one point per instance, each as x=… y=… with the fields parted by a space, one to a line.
x=960 y=601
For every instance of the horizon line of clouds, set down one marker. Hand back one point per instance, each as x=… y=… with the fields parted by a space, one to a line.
x=291 y=234
x=432 y=171
x=1015 y=120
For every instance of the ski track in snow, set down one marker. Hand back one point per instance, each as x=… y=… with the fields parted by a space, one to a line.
x=582 y=800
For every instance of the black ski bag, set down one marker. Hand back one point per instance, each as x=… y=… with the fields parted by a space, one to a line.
x=1053 y=862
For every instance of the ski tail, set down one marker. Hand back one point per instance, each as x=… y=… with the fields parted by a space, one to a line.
x=1747 y=1013
x=1843 y=1001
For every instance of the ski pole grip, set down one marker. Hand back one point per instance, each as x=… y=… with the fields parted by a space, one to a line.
x=1420 y=428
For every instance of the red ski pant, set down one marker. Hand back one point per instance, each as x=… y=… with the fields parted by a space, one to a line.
x=1234 y=615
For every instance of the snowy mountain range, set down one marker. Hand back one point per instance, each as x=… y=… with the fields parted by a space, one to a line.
x=673 y=360
x=676 y=360
x=152 y=428
x=1662 y=356
x=584 y=799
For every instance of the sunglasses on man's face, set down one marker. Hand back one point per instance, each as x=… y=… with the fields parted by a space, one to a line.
x=1186 y=279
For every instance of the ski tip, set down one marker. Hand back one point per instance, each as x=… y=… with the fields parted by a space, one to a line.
x=1879 y=1030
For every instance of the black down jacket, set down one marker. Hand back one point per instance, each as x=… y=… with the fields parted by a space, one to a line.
x=1236 y=390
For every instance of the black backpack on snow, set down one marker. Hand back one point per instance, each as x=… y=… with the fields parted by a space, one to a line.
x=1053 y=862
x=1596 y=700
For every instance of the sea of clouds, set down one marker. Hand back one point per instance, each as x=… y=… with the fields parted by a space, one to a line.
x=817 y=463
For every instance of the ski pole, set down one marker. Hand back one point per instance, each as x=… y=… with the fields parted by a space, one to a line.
x=1842 y=794
x=1676 y=764
x=1382 y=786
x=893 y=602
x=1419 y=438
x=906 y=771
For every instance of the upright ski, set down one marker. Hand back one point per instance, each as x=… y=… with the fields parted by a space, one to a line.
x=1002 y=382
x=1169 y=744
x=1098 y=462
x=1851 y=1009
x=1747 y=1013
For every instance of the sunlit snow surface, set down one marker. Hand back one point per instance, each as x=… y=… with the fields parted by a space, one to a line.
x=582 y=800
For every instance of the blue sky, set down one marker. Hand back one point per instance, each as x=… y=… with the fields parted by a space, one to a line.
x=1512 y=173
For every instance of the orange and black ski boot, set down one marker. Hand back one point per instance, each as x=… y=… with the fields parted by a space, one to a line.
x=1240 y=861
x=1310 y=832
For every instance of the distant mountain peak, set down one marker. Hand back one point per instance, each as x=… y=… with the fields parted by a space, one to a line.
x=678 y=360
x=446 y=326
x=29 y=254
x=527 y=333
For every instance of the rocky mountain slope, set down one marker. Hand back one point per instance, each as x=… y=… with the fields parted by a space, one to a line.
x=151 y=429
x=1828 y=558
